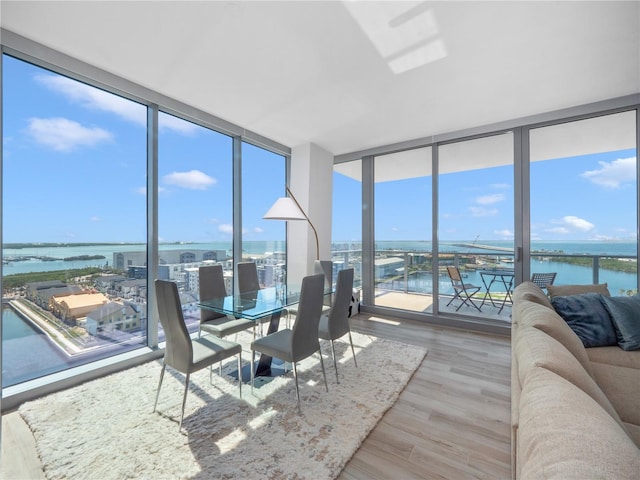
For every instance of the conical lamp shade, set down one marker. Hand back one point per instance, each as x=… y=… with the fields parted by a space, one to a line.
x=284 y=209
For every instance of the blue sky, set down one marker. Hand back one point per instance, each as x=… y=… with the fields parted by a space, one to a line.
x=75 y=171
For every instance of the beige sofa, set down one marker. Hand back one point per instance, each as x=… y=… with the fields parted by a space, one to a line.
x=575 y=411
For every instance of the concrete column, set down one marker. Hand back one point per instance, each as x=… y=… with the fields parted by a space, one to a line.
x=311 y=182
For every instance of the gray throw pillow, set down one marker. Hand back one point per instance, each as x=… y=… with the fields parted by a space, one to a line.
x=588 y=317
x=625 y=313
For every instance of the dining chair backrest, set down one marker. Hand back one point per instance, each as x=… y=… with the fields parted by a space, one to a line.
x=305 y=330
x=248 y=277
x=454 y=274
x=339 y=314
x=211 y=279
x=178 y=351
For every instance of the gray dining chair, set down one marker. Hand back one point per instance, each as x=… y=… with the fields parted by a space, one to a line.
x=182 y=353
x=247 y=283
x=335 y=323
x=301 y=341
x=211 y=278
x=325 y=267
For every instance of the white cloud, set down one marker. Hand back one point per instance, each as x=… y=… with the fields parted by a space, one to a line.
x=65 y=135
x=226 y=228
x=490 y=199
x=94 y=98
x=578 y=223
x=613 y=174
x=571 y=223
x=192 y=180
x=95 y=218
x=483 y=212
x=258 y=230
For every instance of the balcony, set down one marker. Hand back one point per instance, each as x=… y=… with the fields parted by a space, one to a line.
x=404 y=279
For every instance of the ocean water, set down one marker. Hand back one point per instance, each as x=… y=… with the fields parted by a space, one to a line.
x=20 y=339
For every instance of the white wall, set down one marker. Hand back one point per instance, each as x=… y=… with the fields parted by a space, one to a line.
x=311 y=182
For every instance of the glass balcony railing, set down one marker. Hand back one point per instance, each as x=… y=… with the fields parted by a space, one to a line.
x=410 y=273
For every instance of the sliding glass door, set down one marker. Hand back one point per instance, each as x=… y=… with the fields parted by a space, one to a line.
x=476 y=223
x=403 y=230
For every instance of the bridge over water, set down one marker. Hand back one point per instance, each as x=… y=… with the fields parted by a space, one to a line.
x=483 y=247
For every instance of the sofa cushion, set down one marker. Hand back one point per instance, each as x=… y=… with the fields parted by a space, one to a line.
x=621 y=385
x=625 y=313
x=535 y=349
x=565 y=434
x=563 y=290
x=530 y=291
x=614 y=356
x=634 y=433
x=588 y=317
x=547 y=320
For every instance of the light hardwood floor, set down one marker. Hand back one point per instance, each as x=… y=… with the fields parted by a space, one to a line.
x=451 y=421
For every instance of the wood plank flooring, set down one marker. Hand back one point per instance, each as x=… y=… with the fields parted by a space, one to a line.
x=451 y=421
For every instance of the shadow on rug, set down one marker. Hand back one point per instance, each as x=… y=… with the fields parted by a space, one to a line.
x=106 y=429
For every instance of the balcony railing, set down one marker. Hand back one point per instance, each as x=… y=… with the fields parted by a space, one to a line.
x=410 y=272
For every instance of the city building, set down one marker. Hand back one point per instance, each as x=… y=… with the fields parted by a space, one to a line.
x=72 y=308
x=112 y=316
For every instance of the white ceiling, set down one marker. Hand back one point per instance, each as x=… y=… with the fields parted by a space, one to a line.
x=352 y=75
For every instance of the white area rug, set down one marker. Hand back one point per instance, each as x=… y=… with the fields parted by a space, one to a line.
x=105 y=429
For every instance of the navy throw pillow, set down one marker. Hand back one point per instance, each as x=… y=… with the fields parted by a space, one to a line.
x=588 y=317
x=625 y=313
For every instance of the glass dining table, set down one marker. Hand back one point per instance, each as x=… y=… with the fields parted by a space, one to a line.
x=255 y=306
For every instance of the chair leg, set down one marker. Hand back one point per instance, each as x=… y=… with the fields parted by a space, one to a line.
x=240 y=372
x=457 y=294
x=335 y=364
x=326 y=385
x=184 y=400
x=295 y=376
x=353 y=350
x=159 y=385
x=252 y=372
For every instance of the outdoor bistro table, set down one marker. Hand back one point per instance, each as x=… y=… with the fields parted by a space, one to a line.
x=271 y=301
x=503 y=277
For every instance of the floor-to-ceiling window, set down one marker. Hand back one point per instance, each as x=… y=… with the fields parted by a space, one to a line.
x=263 y=241
x=583 y=201
x=346 y=244
x=195 y=206
x=403 y=230
x=73 y=183
x=77 y=165
x=476 y=222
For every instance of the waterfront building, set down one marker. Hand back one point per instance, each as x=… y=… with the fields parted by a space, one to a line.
x=72 y=307
x=42 y=296
x=111 y=317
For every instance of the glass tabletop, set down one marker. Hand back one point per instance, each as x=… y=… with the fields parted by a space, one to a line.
x=510 y=272
x=255 y=305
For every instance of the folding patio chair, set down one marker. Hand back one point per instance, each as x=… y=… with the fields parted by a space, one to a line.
x=463 y=291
